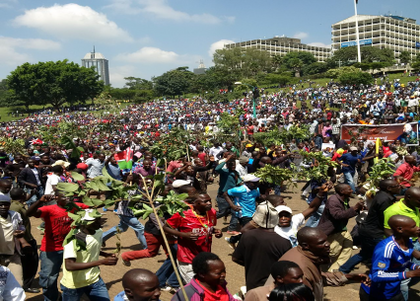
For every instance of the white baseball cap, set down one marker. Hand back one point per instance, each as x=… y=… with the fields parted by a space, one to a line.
x=281 y=208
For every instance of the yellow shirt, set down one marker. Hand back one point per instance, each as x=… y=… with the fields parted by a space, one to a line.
x=82 y=278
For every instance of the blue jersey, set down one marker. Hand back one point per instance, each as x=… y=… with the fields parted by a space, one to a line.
x=245 y=198
x=389 y=262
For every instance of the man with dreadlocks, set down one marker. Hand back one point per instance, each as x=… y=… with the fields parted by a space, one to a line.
x=81 y=274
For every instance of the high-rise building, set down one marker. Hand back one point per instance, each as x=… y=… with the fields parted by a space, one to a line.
x=389 y=31
x=99 y=62
x=282 y=46
x=201 y=68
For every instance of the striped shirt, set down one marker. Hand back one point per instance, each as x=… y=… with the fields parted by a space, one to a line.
x=389 y=262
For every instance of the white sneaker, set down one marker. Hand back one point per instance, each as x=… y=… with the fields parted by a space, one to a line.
x=232 y=245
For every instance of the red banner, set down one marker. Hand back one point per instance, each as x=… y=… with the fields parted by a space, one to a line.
x=385 y=132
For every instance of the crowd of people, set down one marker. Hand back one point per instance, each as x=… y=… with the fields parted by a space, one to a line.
x=286 y=255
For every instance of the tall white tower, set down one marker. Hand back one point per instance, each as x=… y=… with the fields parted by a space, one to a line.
x=99 y=62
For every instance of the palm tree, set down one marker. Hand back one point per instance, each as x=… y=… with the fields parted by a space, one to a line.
x=276 y=61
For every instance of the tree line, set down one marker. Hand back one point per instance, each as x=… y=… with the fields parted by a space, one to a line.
x=56 y=83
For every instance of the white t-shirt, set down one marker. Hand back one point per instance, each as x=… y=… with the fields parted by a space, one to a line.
x=290 y=232
x=52 y=180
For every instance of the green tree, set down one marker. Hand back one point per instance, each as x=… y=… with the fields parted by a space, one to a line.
x=296 y=60
x=315 y=68
x=255 y=61
x=136 y=83
x=174 y=82
x=405 y=57
x=348 y=56
x=278 y=79
x=228 y=64
x=54 y=83
x=276 y=61
x=235 y=63
x=355 y=78
x=337 y=72
x=5 y=94
x=416 y=62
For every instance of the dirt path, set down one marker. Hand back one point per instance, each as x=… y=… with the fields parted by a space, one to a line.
x=235 y=273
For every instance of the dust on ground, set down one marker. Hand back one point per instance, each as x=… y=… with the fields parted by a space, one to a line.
x=112 y=275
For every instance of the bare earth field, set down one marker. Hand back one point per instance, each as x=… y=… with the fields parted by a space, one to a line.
x=235 y=273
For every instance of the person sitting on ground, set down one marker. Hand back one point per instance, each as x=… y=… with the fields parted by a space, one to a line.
x=139 y=285
x=292 y=292
x=209 y=281
x=391 y=258
x=283 y=272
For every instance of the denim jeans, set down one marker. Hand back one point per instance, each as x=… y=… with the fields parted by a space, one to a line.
x=224 y=210
x=368 y=245
x=125 y=222
x=223 y=205
x=96 y=292
x=314 y=219
x=277 y=190
x=405 y=284
x=166 y=274
x=348 y=178
x=50 y=268
x=36 y=196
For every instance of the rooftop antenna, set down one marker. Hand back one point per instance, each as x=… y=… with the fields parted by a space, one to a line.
x=92 y=54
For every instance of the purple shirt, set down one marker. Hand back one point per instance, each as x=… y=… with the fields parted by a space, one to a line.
x=144 y=172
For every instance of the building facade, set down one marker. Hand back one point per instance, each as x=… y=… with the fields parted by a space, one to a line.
x=282 y=46
x=389 y=31
x=100 y=63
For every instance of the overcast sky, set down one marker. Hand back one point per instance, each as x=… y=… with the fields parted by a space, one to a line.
x=144 y=38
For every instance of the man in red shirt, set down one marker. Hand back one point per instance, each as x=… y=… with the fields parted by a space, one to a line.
x=57 y=226
x=194 y=230
x=405 y=172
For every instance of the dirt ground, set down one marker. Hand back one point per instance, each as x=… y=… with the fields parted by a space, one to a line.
x=112 y=275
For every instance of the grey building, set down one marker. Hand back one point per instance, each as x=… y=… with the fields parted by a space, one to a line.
x=389 y=31
x=201 y=68
x=99 y=62
x=282 y=46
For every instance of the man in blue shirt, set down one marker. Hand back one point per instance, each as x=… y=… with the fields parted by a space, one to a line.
x=391 y=258
x=348 y=162
x=245 y=198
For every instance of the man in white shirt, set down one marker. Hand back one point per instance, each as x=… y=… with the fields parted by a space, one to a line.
x=53 y=179
x=242 y=166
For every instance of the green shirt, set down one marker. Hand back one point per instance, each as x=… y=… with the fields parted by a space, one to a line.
x=399 y=208
x=228 y=179
x=20 y=208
